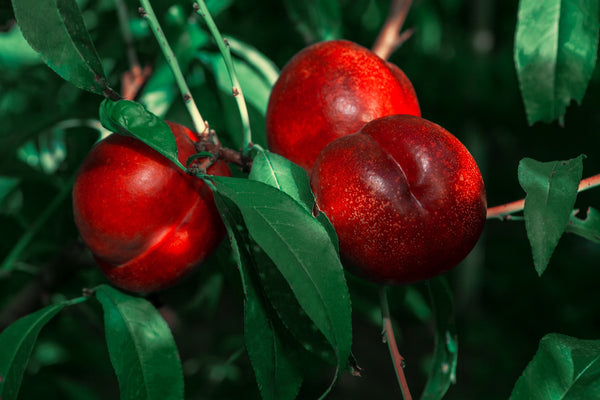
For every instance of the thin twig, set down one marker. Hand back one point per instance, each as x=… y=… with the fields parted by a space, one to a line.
x=504 y=210
x=236 y=90
x=390 y=38
x=147 y=13
x=388 y=331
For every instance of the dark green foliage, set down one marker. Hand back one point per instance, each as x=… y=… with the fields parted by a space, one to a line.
x=17 y=342
x=445 y=356
x=269 y=315
x=564 y=368
x=57 y=31
x=300 y=248
x=141 y=347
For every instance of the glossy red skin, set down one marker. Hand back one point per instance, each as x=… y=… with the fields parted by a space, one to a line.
x=329 y=90
x=147 y=223
x=405 y=197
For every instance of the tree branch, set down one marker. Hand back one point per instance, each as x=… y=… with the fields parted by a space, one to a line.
x=502 y=211
x=390 y=38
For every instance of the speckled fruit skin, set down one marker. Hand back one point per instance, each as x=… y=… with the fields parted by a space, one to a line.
x=147 y=223
x=405 y=197
x=328 y=90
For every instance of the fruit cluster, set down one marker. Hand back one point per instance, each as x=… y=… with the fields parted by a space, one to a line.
x=147 y=223
x=405 y=197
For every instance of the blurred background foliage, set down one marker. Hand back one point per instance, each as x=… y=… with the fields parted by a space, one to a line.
x=460 y=60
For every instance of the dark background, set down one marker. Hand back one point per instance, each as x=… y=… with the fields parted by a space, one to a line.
x=460 y=61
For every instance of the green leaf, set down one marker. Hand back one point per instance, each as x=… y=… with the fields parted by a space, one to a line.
x=302 y=250
x=252 y=260
x=281 y=297
x=316 y=20
x=56 y=30
x=589 y=227
x=551 y=189
x=279 y=172
x=16 y=343
x=141 y=347
x=282 y=174
x=555 y=54
x=445 y=356
x=237 y=234
x=564 y=368
x=272 y=360
x=132 y=119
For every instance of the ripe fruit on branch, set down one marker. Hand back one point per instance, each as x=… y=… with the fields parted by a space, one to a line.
x=405 y=197
x=328 y=90
x=146 y=222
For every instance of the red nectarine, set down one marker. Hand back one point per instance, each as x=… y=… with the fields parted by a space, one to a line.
x=405 y=197
x=146 y=222
x=328 y=90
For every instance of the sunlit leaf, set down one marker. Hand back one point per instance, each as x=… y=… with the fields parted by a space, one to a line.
x=588 y=227
x=279 y=172
x=132 y=119
x=55 y=28
x=141 y=347
x=302 y=251
x=443 y=365
x=16 y=344
x=551 y=189
x=555 y=54
x=564 y=368
x=276 y=171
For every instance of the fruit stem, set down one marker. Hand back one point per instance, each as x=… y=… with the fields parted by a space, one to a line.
x=504 y=210
x=390 y=38
x=236 y=90
x=147 y=13
x=390 y=339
